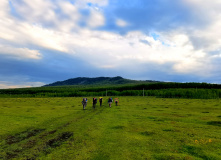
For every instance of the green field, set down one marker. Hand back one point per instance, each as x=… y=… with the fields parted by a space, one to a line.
x=139 y=128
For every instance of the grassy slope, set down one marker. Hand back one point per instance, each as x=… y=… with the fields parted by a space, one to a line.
x=140 y=128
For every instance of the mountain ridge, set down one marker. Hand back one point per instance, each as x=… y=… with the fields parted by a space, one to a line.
x=97 y=81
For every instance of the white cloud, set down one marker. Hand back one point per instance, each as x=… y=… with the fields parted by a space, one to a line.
x=19 y=53
x=121 y=23
x=24 y=34
x=46 y=38
x=118 y=49
x=36 y=10
x=10 y=85
x=208 y=34
x=100 y=2
x=4 y=8
x=96 y=19
x=205 y=5
x=70 y=10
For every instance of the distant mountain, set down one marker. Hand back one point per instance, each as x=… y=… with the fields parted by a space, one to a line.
x=96 y=81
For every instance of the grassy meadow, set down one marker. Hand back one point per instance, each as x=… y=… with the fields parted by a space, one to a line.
x=139 y=128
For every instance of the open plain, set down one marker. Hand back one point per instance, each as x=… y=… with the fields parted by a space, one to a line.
x=139 y=128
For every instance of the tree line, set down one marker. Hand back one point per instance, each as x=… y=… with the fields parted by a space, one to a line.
x=163 y=90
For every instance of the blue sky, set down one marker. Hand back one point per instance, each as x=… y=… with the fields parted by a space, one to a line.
x=43 y=41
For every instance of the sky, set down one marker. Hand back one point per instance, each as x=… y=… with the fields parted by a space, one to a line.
x=43 y=41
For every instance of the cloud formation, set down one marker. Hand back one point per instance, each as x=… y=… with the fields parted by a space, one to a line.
x=178 y=40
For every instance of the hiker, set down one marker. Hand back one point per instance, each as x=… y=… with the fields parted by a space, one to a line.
x=110 y=102
x=84 y=103
x=100 y=100
x=94 y=102
x=116 y=101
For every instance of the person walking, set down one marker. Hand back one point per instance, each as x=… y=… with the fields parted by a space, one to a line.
x=116 y=101
x=110 y=102
x=101 y=100
x=94 y=102
x=84 y=103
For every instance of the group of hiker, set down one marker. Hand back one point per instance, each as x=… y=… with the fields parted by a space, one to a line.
x=110 y=101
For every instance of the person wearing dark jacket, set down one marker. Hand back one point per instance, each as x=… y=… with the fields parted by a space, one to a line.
x=94 y=102
x=100 y=100
x=110 y=102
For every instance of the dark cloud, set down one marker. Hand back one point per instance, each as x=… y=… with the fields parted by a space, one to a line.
x=55 y=67
x=52 y=67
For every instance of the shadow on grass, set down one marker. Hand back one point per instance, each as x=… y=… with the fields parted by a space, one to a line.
x=118 y=127
x=147 y=133
x=215 y=123
x=195 y=151
x=168 y=130
x=172 y=156
x=151 y=117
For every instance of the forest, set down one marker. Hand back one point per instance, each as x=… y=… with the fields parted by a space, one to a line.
x=158 y=89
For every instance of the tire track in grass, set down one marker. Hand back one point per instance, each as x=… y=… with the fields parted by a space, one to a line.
x=85 y=140
x=35 y=135
x=22 y=136
x=18 y=138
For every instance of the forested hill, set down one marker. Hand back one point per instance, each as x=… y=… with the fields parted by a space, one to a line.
x=96 y=81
